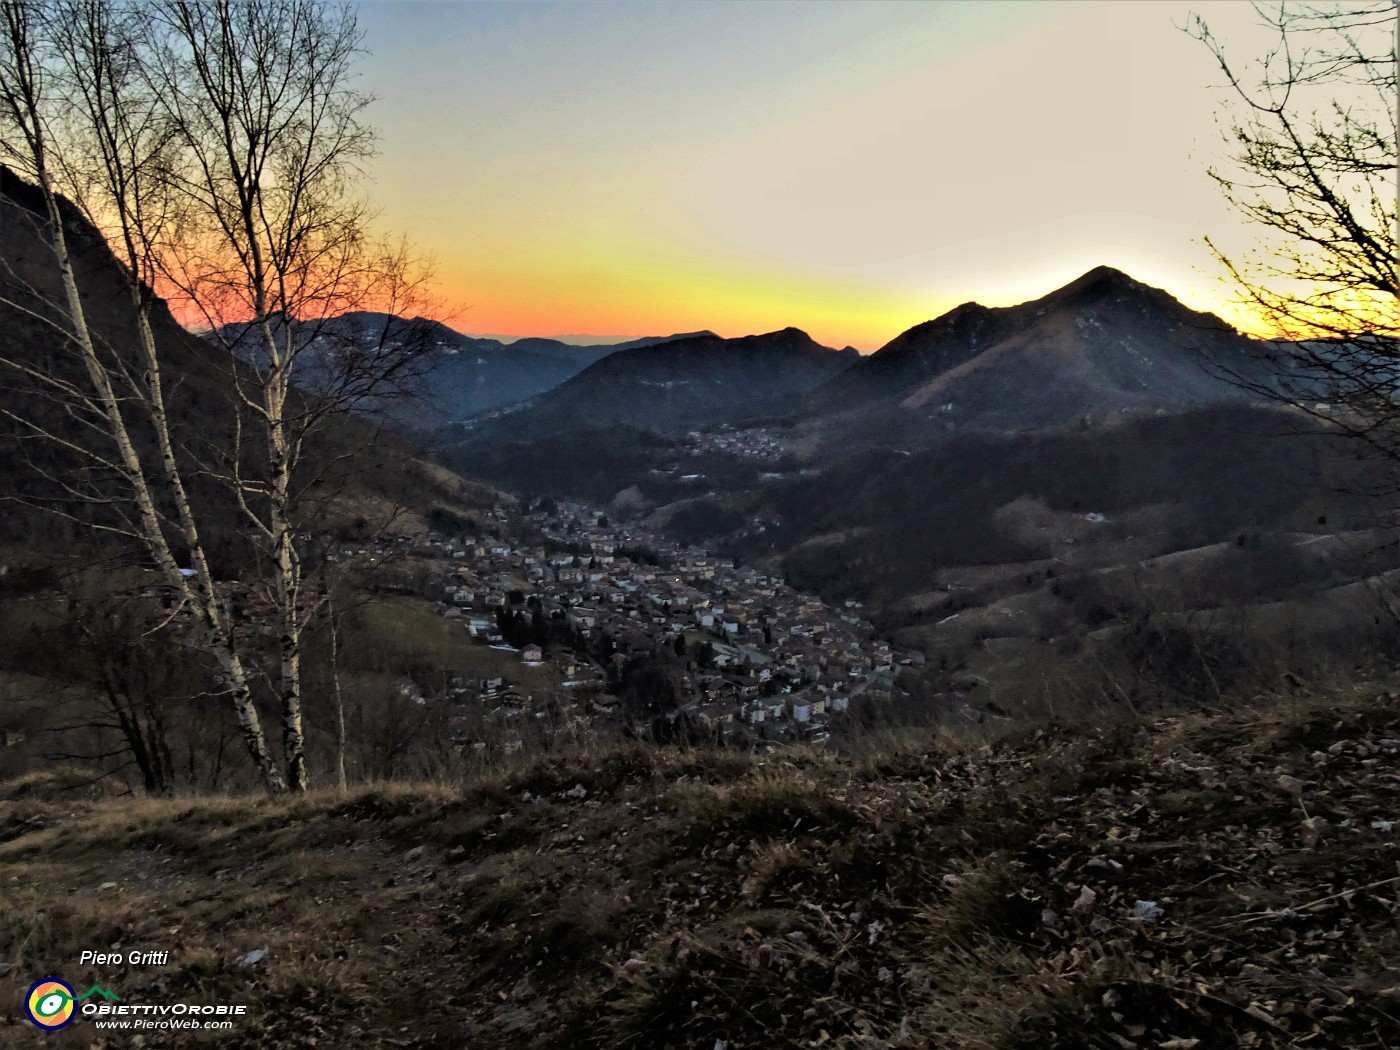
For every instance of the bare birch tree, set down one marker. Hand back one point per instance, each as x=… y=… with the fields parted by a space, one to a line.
x=107 y=394
x=217 y=144
x=273 y=244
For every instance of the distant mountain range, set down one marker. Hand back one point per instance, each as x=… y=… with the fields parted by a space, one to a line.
x=1102 y=347
x=461 y=375
x=697 y=380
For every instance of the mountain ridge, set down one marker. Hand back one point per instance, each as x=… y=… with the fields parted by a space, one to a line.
x=1102 y=344
x=688 y=381
x=460 y=375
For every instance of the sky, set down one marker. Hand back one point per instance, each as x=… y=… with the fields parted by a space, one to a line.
x=849 y=168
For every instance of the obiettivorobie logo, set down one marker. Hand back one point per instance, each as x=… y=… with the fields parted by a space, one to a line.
x=51 y=1003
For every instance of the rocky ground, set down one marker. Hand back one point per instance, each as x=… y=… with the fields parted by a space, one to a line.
x=1201 y=881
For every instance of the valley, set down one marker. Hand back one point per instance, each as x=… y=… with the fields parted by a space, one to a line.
x=1050 y=503
x=406 y=643
x=761 y=541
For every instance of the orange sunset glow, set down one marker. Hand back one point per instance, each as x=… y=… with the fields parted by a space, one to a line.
x=614 y=170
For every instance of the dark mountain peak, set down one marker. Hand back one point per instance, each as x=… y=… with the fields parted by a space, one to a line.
x=1112 y=296
x=530 y=343
x=971 y=308
x=1103 y=339
x=969 y=318
x=922 y=351
x=1104 y=277
x=691 y=381
x=783 y=341
x=783 y=337
x=698 y=339
x=535 y=343
x=704 y=333
x=1105 y=284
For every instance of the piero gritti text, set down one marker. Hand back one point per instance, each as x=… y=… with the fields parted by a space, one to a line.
x=134 y=958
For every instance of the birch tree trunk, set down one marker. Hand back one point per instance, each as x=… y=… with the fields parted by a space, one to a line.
x=338 y=694
x=262 y=100
x=22 y=92
x=221 y=141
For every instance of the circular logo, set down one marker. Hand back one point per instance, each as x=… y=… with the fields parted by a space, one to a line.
x=50 y=1003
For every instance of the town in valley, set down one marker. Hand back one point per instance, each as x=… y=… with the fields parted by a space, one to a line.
x=574 y=599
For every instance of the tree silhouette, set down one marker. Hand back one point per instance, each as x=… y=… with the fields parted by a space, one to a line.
x=1313 y=166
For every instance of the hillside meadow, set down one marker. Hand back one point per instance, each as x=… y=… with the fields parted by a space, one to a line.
x=1196 y=881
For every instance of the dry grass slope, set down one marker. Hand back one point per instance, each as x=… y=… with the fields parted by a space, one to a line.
x=979 y=897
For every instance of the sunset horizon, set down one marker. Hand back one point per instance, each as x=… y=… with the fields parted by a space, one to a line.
x=597 y=339
x=607 y=171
